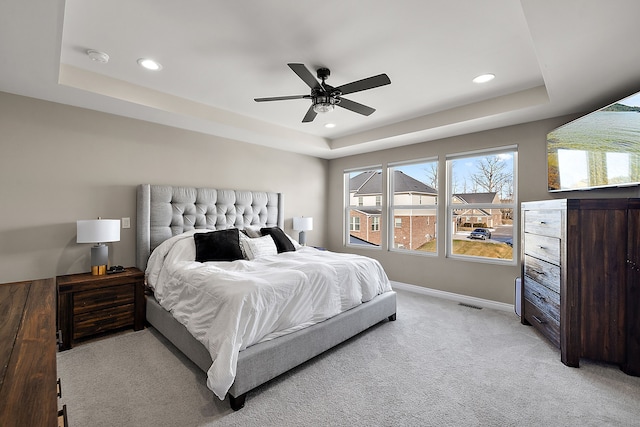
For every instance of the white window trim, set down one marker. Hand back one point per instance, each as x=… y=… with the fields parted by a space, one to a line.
x=347 y=208
x=392 y=207
x=514 y=205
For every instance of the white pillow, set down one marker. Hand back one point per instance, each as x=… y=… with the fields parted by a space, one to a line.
x=252 y=231
x=258 y=247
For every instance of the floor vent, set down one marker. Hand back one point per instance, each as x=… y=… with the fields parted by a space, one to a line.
x=470 y=306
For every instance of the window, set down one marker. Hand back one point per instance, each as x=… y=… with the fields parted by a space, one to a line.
x=481 y=204
x=363 y=207
x=413 y=206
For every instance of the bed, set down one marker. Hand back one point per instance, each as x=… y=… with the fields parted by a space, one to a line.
x=168 y=216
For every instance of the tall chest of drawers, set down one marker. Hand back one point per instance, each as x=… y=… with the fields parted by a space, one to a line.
x=578 y=286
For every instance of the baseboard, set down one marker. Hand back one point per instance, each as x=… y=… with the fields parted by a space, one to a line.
x=479 y=302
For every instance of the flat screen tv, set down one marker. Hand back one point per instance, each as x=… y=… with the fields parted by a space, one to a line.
x=601 y=149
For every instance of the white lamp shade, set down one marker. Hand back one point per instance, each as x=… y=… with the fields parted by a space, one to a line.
x=98 y=230
x=302 y=223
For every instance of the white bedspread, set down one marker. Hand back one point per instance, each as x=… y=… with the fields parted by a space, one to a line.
x=229 y=306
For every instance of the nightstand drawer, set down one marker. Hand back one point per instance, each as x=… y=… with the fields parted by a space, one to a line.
x=98 y=299
x=542 y=322
x=99 y=321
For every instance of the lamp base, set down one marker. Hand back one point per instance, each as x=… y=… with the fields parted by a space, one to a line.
x=99 y=259
x=98 y=270
x=302 y=238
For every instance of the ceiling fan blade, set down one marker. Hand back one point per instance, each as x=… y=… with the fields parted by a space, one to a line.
x=364 y=84
x=310 y=115
x=306 y=76
x=282 y=98
x=356 y=107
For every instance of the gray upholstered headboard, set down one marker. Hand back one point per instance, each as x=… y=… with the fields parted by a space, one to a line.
x=165 y=211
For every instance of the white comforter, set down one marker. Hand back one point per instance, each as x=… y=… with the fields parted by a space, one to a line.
x=229 y=306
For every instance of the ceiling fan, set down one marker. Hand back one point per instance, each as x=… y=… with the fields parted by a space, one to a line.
x=324 y=98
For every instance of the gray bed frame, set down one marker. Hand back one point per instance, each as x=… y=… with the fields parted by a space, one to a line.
x=165 y=211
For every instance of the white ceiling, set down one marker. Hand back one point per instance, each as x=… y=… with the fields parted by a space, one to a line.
x=550 y=58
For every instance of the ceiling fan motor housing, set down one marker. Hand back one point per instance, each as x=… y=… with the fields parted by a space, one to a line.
x=323 y=73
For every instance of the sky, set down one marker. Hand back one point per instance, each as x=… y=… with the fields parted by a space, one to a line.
x=463 y=168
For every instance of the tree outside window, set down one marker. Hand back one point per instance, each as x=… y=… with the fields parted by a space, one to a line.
x=481 y=196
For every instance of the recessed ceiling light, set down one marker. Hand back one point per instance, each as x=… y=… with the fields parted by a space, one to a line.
x=149 y=64
x=330 y=125
x=98 y=56
x=483 y=78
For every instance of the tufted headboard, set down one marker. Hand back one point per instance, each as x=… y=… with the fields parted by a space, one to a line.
x=165 y=211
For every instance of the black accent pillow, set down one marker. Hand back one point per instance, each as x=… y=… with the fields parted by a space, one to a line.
x=282 y=241
x=221 y=245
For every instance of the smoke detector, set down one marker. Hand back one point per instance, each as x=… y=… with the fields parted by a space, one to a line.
x=98 y=56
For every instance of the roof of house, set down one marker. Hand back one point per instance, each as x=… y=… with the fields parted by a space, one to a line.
x=369 y=210
x=359 y=241
x=370 y=182
x=476 y=197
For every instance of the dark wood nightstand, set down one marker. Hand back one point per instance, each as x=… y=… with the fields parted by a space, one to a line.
x=90 y=305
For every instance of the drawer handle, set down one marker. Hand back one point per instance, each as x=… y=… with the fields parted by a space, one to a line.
x=543 y=222
x=537 y=319
x=544 y=248
x=540 y=297
x=538 y=272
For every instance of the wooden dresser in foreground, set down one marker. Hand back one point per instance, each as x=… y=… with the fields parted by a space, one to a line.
x=90 y=305
x=581 y=278
x=28 y=386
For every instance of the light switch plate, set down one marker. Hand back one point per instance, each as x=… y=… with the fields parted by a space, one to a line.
x=126 y=222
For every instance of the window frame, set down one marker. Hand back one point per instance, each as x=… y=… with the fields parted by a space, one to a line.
x=353 y=224
x=451 y=207
x=392 y=207
x=348 y=207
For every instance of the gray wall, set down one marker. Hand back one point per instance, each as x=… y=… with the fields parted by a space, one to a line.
x=477 y=279
x=59 y=164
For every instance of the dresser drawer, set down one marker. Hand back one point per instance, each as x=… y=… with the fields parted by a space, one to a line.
x=542 y=322
x=546 y=300
x=98 y=299
x=542 y=247
x=542 y=272
x=543 y=222
x=102 y=320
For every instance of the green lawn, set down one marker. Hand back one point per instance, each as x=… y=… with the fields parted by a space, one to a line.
x=474 y=248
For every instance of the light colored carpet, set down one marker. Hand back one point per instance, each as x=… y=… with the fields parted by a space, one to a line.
x=439 y=364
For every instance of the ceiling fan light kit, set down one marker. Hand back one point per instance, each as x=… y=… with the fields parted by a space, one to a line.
x=324 y=97
x=324 y=104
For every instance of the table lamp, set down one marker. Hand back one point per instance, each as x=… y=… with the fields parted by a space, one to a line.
x=302 y=224
x=98 y=231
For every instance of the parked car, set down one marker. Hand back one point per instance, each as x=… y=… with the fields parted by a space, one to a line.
x=480 y=233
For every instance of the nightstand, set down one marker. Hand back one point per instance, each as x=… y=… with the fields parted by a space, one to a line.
x=94 y=305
